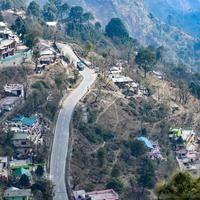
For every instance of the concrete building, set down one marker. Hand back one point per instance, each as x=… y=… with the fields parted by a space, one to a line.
x=14 y=90
x=17 y=194
x=3 y=26
x=52 y=24
x=8 y=41
x=22 y=145
x=8 y=103
x=96 y=195
x=7 y=48
x=4 y=168
x=47 y=53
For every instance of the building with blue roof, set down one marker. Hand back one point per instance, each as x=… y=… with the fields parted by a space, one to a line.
x=146 y=142
x=26 y=121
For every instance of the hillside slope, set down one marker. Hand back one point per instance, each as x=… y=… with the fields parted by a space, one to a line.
x=148 y=30
x=144 y=27
x=183 y=14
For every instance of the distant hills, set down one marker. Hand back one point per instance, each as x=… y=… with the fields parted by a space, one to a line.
x=185 y=14
x=154 y=22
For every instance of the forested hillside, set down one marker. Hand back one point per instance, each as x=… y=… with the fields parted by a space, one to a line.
x=181 y=48
x=183 y=14
x=7 y=4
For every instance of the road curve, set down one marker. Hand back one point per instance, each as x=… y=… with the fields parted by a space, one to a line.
x=61 y=136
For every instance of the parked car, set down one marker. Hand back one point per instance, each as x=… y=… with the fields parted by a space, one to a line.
x=80 y=66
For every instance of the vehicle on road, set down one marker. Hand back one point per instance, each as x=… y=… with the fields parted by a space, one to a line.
x=80 y=66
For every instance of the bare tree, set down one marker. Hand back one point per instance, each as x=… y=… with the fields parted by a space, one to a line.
x=182 y=94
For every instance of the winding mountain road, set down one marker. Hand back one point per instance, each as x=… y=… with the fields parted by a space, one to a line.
x=61 y=136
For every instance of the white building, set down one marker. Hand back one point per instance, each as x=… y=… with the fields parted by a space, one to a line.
x=4 y=168
x=14 y=90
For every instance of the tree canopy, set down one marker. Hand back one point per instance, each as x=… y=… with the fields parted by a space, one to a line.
x=145 y=59
x=137 y=148
x=116 y=28
x=146 y=173
x=76 y=13
x=1 y=17
x=115 y=184
x=181 y=186
x=33 y=9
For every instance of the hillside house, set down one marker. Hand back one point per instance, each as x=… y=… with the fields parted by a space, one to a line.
x=120 y=80
x=8 y=103
x=52 y=24
x=153 y=148
x=5 y=34
x=96 y=195
x=143 y=91
x=159 y=75
x=146 y=142
x=28 y=125
x=14 y=90
x=115 y=70
x=47 y=54
x=131 y=89
x=3 y=26
x=17 y=194
x=22 y=144
x=21 y=120
x=7 y=48
x=4 y=168
x=185 y=139
x=19 y=171
x=14 y=164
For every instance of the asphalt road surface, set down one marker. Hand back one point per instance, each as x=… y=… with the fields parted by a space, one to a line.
x=61 y=137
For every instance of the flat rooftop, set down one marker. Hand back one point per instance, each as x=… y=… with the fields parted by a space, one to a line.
x=10 y=87
x=121 y=79
x=8 y=101
x=16 y=192
x=103 y=195
x=5 y=43
x=2 y=24
x=3 y=159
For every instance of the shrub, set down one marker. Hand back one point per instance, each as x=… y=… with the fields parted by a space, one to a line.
x=115 y=184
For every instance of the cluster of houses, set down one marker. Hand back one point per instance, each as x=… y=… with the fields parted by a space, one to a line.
x=128 y=87
x=17 y=168
x=47 y=55
x=27 y=132
x=185 y=143
x=9 y=42
x=14 y=193
x=13 y=96
x=96 y=195
x=153 y=148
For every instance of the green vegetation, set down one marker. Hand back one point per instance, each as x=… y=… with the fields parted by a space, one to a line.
x=115 y=171
x=39 y=171
x=6 y=144
x=115 y=184
x=101 y=156
x=137 y=148
x=180 y=186
x=146 y=173
x=116 y=28
x=1 y=17
x=146 y=60
x=43 y=188
x=8 y=4
x=24 y=181
x=33 y=9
